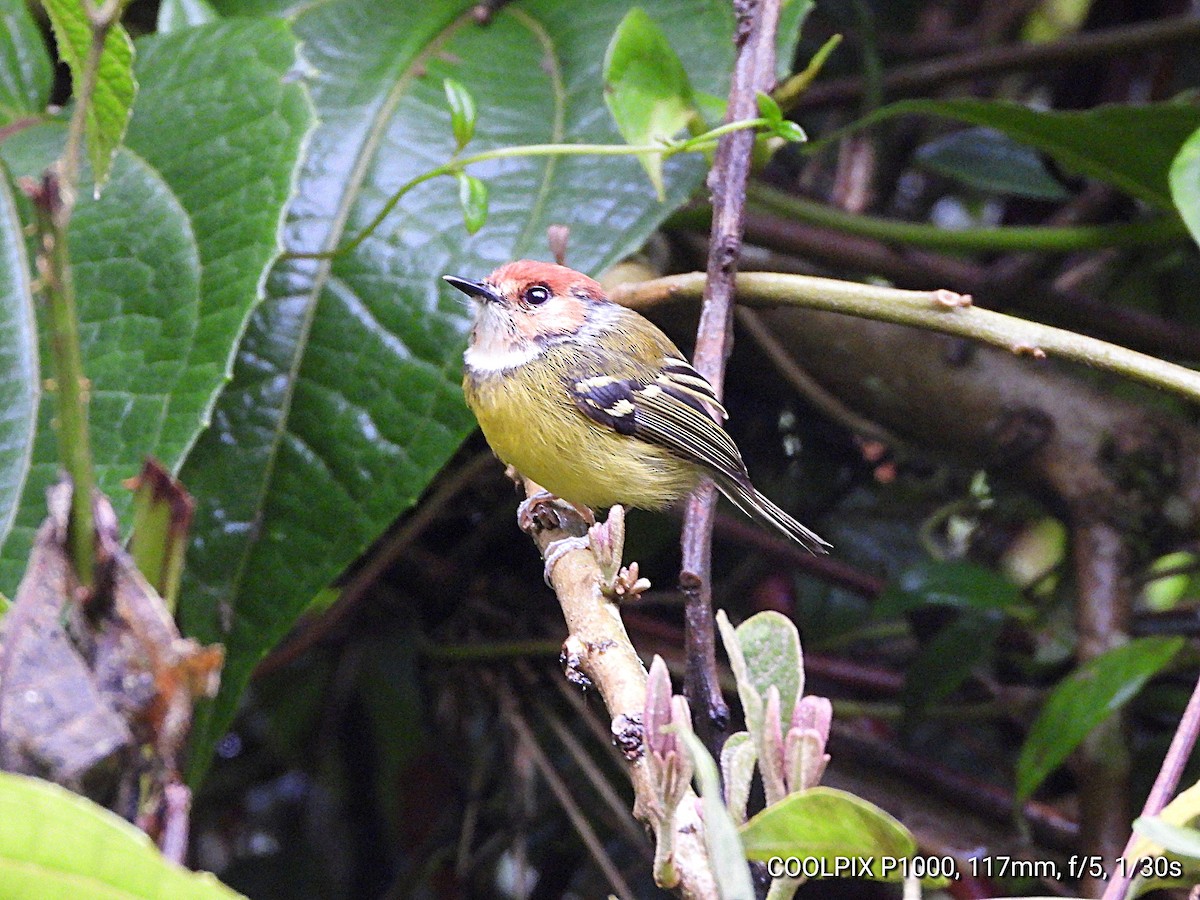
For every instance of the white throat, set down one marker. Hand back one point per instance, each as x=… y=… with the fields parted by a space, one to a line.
x=485 y=361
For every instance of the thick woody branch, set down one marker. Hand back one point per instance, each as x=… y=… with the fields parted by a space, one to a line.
x=599 y=648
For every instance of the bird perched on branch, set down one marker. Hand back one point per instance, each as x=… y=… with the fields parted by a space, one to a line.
x=593 y=402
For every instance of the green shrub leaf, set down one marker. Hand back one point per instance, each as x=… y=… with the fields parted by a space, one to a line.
x=19 y=377
x=789 y=131
x=646 y=88
x=112 y=98
x=768 y=108
x=1185 y=183
x=462 y=113
x=26 y=73
x=945 y=662
x=737 y=770
x=473 y=198
x=956 y=584
x=174 y=15
x=991 y=162
x=771 y=646
x=1128 y=146
x=169 y=262
x=1083 y=700
x=1177 y=839
x=826 y=824
x=137 y=278
x=57 y=845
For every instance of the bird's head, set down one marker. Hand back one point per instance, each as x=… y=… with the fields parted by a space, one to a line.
x=524 y=307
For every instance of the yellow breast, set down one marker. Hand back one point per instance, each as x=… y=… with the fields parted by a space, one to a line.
x=530 y=422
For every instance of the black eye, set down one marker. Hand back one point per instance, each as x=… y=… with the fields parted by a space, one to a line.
x=537 y=295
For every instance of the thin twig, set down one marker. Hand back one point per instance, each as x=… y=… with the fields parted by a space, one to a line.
x=942 y=311
x=598 y=780
x=754 y=71
x=917 y=77
x=1102 y=764
x=562 y=793
x=1164 y=786
x=807 y=386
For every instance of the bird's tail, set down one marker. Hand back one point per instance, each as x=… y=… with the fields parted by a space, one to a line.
x=759 y=508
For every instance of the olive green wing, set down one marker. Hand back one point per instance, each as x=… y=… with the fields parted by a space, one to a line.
x=669 y=407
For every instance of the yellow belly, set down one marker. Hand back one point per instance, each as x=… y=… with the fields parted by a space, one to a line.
x=535 y=428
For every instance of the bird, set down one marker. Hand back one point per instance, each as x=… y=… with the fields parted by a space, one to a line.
x=593 y=402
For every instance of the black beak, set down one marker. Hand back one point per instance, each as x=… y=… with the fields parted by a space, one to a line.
x=474 y=288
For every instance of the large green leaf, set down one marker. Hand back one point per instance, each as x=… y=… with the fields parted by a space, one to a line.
x=1185 y=183
x=346 y=399
x=25 y=70
x=18 y=359
x=169 y=262
x=1130 y=147
x=114 y=85
x=223 y=117
x=1083 y=700
x=55 y=845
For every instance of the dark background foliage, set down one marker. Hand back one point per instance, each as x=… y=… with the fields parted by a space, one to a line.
x=447 y=616
x=995 y=519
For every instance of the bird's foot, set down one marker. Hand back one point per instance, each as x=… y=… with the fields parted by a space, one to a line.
x=556 y=550
x=537 y=512
x=608 y=544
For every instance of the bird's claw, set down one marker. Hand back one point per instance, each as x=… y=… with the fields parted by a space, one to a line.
x=555 y=551
x=537 y=513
